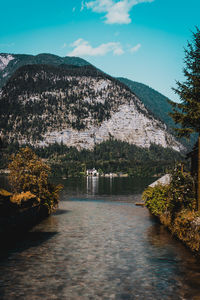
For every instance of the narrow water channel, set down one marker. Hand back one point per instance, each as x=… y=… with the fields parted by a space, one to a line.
x=99 y=245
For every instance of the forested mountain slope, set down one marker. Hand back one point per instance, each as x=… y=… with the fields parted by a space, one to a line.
x=155 y=102
x=9 y=63
x=78 y=106
x=158 y=105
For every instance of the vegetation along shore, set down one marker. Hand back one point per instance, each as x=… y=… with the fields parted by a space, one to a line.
x=174 y=204
x=32 y=198
x=177 y=204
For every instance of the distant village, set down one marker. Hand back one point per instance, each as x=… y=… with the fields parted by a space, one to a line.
x=94 y=173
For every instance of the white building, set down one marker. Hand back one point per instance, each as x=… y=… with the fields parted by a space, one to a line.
x=92 y=172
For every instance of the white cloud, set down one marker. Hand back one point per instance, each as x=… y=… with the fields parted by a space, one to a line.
x=83 y=48
x=118 y=51
x=82 y=6
x=135 y=48
x=116 y=12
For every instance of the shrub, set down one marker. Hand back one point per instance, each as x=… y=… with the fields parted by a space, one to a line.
x=182 y=192
x=25 y=199
x=29 y=174
x=4 y=194
x=156 y=199
x=175 y=205
x=184 y=228
x=178 y=195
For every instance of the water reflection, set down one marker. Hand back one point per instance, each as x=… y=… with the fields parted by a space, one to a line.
x=92 y=185
x=101 y=188
x=99 y=250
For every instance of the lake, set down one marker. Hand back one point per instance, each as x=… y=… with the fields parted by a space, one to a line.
x=99 y=245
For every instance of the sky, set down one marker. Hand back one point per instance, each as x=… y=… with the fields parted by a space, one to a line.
x=142 y=40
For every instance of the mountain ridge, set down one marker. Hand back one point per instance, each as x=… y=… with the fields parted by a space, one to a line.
x=158 y=105
x=77 y=106
x=9 y=63
x=150 y=97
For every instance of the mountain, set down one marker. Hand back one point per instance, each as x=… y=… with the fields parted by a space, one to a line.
x=77 y=106
x=158 y=105
x=9 y=63
x=154 y=101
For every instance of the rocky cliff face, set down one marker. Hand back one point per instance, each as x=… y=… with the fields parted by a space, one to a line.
x=126 y=124
x=76 y=106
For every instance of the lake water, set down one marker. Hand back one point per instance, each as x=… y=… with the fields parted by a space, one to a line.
x=99 y=245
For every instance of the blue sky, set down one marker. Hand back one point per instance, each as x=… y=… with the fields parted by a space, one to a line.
x=142 y=40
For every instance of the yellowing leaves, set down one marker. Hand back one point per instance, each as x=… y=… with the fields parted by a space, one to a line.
x=5 y=193
x=29 y=178
x=24 y=197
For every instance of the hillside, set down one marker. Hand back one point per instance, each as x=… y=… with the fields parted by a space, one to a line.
x=76 y=106
x=158 y=105
x=155 y=102
x=9 y=63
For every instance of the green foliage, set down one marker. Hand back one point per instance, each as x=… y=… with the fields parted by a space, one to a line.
x=45 y=58
x=182 y=192
x=175 y=197
x=110 y=156
x=156 y=199
x=187 y=113
x=159 y=105
x=174 y=205
x=184 y=228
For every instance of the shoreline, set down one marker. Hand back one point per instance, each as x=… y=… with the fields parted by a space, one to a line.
x=22 y=221
x=183 y=224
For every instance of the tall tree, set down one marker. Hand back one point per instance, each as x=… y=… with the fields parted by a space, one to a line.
x=187 y=112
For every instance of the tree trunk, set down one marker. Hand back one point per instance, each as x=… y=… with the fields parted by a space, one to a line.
x=198 y=183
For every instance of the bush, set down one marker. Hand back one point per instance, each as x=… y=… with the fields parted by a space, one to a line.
x=156 y=199
x=178 y=195
x=184 y=228
x=29 y=176
x=25 y=199
x=182 y=192
x=175 y=205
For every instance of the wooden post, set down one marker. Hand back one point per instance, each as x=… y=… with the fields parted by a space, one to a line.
x=198 y=175
x=182 y=168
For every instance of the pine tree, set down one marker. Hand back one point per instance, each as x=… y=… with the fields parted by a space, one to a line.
x=187 y=112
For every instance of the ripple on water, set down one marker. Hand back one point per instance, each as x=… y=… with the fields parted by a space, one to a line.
x=99 y=250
